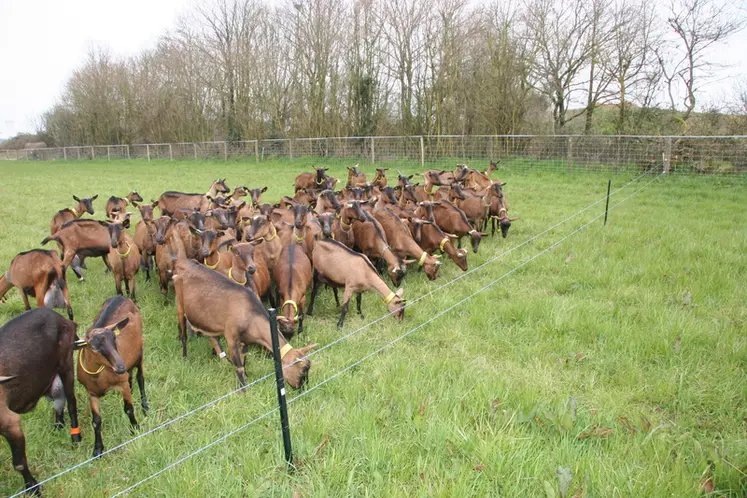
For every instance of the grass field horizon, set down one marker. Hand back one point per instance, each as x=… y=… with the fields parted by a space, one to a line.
x=613 y=363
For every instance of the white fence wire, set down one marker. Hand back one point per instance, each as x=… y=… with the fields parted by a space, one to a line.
x=675 y=154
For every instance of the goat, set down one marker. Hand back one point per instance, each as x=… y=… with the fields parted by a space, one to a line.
x=431 y=238
x=217 y=306
x=85 y=205
x=171 y=200
x=36 y=356
x=380 y=179
x=107 y=356
x=119 y=204
x=145 y=237
x=169 y=249
x=370 y=239
x=327 y=202
x=256 y=195
x=40 y=274
x=318 y=179
x=474 y=205
x=355 y=178
x=498 y=210
x=124 y=257
x=339 y=266
x=400 y=240
x=292 y=276
x=83 y=238
x=451 y=219
x=260 y=227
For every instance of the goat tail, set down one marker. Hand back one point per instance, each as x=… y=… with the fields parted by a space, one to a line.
x=5 y=286
x=47 y=239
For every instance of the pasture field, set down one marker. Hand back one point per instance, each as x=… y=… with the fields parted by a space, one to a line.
x=615 y=362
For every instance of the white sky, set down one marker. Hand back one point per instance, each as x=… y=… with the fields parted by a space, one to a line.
x=43 y=41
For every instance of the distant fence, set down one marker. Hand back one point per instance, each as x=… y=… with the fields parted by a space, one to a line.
x=702 y=154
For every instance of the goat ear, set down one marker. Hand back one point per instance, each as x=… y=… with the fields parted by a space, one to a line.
x=194 y=230
x=257 y=242
x=95 y=197
x=121 y=324
x=79 y=344
x=126 y=223
x=503 y=183
x=264 y=189
x=308 y=348
x=154 y=203
x=75 y=198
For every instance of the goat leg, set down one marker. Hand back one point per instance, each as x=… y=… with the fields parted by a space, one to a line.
x=10 y=428
x=98 y=444
x=141 y=386
x=358 y=299
x=346 y=301
x=128 y=408
x=25 y=299
x=337 y=299
x=314 y=291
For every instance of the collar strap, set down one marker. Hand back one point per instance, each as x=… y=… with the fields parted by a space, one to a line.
x=123 y=255
x=80 y=361
x=298 y=239
x=472 y=231
x=343 y=225
x=434 y=187
x=443 y=243
x=284 y=350
x=230 y=271
x=422 y=258
x=75 y=212
x=274 y=233
x=126 y=201
x=293 y=305
x=213 y=267
x=389 y=298
x=502 y=210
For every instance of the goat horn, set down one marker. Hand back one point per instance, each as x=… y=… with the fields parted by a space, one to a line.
x=4 y=378
x=513 y=219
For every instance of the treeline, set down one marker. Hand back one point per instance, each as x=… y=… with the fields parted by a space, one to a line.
x=241 y=69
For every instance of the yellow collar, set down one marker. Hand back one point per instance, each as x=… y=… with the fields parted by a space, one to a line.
x=75 y=212
x=389 y=298
x=343 y=225
x=80 y=361
x=213 y=267
x=422 y=258
x=284 y=350
x=434 y=187
x=123 y=255
x=443 y=243
x=295 y=308
x=274 y=233
x=230 y=271
x=127 y=201
x=298 y=239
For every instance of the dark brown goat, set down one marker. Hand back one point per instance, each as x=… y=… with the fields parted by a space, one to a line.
x=84 y=238
x=108 y=355
x=36 y=358
x=217 y=306
x=431 y=238
x=171 y=200
x=400 y=240
x=451 y=219
x=118 y=204
x=292 y=277
x=85 y=205
x=371 y=240
x=318 y=179
x=40 y=274
x=124 y=257
x=338 y=266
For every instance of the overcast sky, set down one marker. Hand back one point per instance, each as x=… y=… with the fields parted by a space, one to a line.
x=43 y=41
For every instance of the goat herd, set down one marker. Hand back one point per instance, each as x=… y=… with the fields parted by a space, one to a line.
x=225 y=254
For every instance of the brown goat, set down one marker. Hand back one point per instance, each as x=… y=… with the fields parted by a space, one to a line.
x=318 y=179
x=292 y=277
x=109 y=353
x=119 y=204
x=451 y=219
x=355 y=178
x=431 y=238
x=36 y=358
x=260 y=227
x=40 y=274
x=217 y=306
x=145 y=239
x=327 y=202
x=338 y=266
x=84 y=238
x=169 y=249
x=370 y=239
x=124 y=257
x=400 y=240
x=380 y=179
x=474 y=205
x=171 y=200
x=85 y=205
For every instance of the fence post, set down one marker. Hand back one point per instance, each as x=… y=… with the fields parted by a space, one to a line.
x=570 y=153
x=326 y=146
x=256 y=151
x=225 y=150
x=667 y=155
x=108 y=153
x=290 y=148
x=77 y=150
x=280 y=387
x=128 y=150
x=93 y=154
x=147 y=149
x=422 y=152
x=64 y=153
x=373 y=151
x=171 y=153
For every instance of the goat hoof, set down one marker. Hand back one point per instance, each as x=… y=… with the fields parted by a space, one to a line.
x=76 y=438
x=30 y=484
x=80 y=279
x=146 y=408
x=97 y=452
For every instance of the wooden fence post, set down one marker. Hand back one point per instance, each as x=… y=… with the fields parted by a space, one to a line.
x=373 y=151
x=194 y=146
x=667 y=154
x=171 y=153
x=290 y=148
x=108 y=153
x=147 y=149
x=64 y=153
x=422 y=152
x=570 y=153
x=225 y=150
x=256 y=150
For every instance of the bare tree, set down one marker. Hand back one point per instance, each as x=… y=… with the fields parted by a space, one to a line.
x=698 y=25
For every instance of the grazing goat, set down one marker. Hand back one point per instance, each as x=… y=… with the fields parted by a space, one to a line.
x=85 y=205
x=171 y=200
x=292 y=276
x=83 y=238
x=371 y=240
x=118 y=204
x=217 y=306
x=124 y=257
x=451 y=219
x=40 y=274
x=338 y=266
x=36 y=356
x=431 y=238
x=400 y=240
x=107 y=356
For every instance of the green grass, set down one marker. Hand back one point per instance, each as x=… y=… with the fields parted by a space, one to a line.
x=643 y=319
